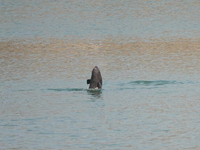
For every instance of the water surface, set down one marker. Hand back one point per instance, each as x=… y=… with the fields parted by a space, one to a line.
x=98 y=19
x=148 y=55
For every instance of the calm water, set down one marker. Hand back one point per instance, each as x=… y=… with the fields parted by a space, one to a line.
x=97 y=19
x=150 y=96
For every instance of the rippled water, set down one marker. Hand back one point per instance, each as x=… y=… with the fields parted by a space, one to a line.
x=148 y=55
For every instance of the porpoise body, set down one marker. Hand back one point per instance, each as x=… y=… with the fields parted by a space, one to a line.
x=96 y=79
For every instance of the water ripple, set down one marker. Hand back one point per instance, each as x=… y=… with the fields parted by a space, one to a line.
x=153 y=83
x=68 y=89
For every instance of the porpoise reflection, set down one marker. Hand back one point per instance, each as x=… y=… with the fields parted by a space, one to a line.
x=96 y=79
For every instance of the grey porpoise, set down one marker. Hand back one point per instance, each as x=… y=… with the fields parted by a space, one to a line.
x=96 y=79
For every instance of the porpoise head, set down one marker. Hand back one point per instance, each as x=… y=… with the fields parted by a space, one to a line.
x=95 y=72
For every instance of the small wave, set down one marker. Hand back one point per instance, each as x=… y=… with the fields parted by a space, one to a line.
x=24 y=90
x=145 y=84
x=153 y=83
x=9 y=125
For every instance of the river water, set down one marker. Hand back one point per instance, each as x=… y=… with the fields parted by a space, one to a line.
x=148 y=55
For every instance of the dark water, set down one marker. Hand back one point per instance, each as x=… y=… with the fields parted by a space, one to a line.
x=150 y=96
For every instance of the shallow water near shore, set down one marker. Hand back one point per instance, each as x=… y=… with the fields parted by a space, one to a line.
x=148 y=55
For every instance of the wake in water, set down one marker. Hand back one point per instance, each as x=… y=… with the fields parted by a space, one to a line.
x=95 y=93
x=147 y=84
x=68 y=89
x=75 y=89
x=153 y=83
x=127 y=85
